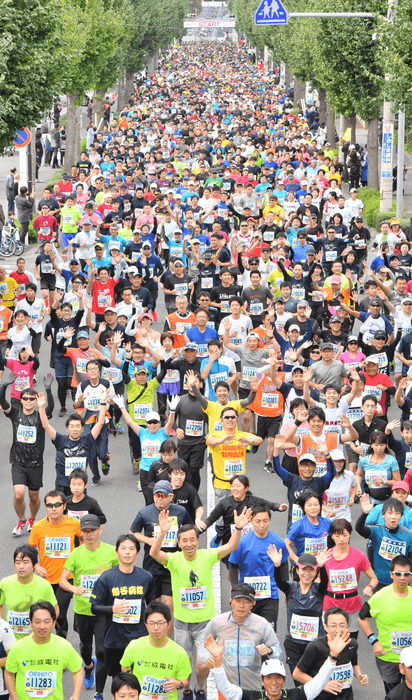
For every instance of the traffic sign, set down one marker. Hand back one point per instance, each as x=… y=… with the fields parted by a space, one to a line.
x=271 y=12
x=22 y=138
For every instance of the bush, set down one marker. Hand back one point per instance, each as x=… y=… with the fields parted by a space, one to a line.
x=371 y=211
x=83 y=145
x=55 y=179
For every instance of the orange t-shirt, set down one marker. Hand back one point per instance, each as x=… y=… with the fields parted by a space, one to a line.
x=309 y=444
x=264 y=339
x=268 y=401
x=55 y=542
x=186 y=322
x=5 y=316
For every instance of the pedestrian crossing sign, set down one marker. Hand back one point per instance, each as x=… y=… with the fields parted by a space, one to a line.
x=271 y=12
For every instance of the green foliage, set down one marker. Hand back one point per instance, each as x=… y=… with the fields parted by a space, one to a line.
x=55 y=179
x=83 y=144
x=30 y=50
x=371 y=201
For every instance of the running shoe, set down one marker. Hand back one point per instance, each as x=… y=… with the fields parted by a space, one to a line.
x=19 y=528
x=88 y=680
x=139 y=486
x=200 y=695
x=63 y=412
x=188 y=695
x=96 y=483
x=29 y=525
x=98 y=696
x=269 y=467
x=136 y=466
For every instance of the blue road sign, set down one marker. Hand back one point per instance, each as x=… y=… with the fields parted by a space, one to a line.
x=271 y=12
x=22 y=138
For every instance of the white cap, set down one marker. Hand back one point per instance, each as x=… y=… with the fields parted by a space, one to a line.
x=273 y=666
x=294 y=327
x=152 y=416
x=406 y=656
x=307 y=457
x=351 y=146
x=353 y=190
x=373 y=359
x=336 y=455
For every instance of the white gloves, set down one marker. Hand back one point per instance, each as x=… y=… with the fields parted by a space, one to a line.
x=172 y=403
x=119 y=400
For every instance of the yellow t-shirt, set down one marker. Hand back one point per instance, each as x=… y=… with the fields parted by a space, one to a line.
x=8 y=288
x=213 y=411
x=228 y=459
x=277 y=210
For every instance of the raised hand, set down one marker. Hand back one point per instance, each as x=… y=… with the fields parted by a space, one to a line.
x=164 y=523
x=366 y=503
x=242 y=519
x=10 y=379
x=275 y=555
x=48 y=380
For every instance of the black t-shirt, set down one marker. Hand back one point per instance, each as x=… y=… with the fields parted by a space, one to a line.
x=27 y=448
x=303 y=325
x=147 y=519
x=286 y=694
x=84 y=166
x=84 y=507
x=188 y=497
x=182 y=284
x=183 y=366
x=45 y=268
x=400 y=692
x=316 y=654
x=225 y=294
x=187 y=411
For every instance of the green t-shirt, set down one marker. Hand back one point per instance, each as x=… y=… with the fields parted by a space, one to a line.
x=192 y=586
x=18 y=598
x=69 y=218
x=87 y=567
x=154 y=664
x=140 y=402
x=39 y=667
x=394 y=621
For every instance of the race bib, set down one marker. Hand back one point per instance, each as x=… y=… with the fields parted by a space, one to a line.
x=315 y=545
x=202 y=350
x=71 y=463
x=4 y=288
x=317 y=295
x=382 y=358
x=78 y=514
x=372 y=391
x=261 y=584
x=193 y=597
x=102 y=300
x=218 y=426
x=27 y=434
x=92 y=403
x=225 y=305
x=81 y=365
x=249 y=373
x=19 y=621
x=140 y=410
x=181 y=288
x=39 y=684
x=337 y=500
x=270 y=400
x=242 y=653
x=343 y=674
x=46 y=267
x=354 y=414
x=256 y=309
x=321 y=469
x=298 y=293
x=330 y=255
x=113 y=374
x=151 y=450
x=372 y=476
x=207 y=283
x=343 y=579
x=152 y=688
x=233 y=466
x=57 y=547
x=302 y=627
x=88 y=581
x=400 y=640
x=391 y=548
x=218 y=377
x=194 y=428
x=132 y=617
x=247 y=528
x=172 y=375
x=170 y=538
x=297 y=513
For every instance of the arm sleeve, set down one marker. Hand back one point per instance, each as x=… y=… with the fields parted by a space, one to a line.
x=216 y=513
x=284 y=475
x=361 y=528
x=365 y=611
x=202 y=399
x=3 y=401
x=228 y=690
x=323 y=585
x=315 y=686
x=50 y=403
x=283 y=585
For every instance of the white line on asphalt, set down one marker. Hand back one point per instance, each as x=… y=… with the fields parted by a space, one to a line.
x=211 y=685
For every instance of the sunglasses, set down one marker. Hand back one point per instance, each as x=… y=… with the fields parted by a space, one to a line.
x=28 y=398
x=161 y=495
x=229 y=417
x=54 y=505
x=152 y=422
x=406 y=574
x=315 y=352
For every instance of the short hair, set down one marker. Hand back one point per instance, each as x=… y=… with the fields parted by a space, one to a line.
x=400 y=560
x=31 y=285
x=168 y=446
x=261 y=508
x=125 y=538
x=157 y=607
x=55 y=493
x=406 y=425
x=79 y=474
x=214 y=341
x=92 y=362
x=316 y=412
x=42 y=605
x=393 y=504
x=335 y=611
x=339 y=525
x=225 y=385
x=369 y=397
x=178 y=464
x=122 y=679
x=26 y=550
x=305 y=496
x=29 y=391
x=74 y=417
x=186 y=528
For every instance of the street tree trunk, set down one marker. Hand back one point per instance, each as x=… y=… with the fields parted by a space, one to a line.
x=352 y=123
x=288 y=76
x=129 y=86
x=373 y=154
x=330 y=125
x=71 y=132
x=322 y=105
x=98 y=98
x=77 y=139
x=298 y=93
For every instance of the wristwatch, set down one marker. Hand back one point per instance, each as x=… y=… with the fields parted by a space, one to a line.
x=181 y=685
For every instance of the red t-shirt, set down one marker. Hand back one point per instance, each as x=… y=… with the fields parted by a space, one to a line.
x=343 y=578
x=103 y=295
x=65 y=186
x=383 y=379
x=45 y=226
x=22 y=279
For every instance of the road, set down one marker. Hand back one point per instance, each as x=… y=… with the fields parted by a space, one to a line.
x=121 y=501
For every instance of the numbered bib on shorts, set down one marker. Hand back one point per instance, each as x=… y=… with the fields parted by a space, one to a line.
x=57 y=547
x=261 y=584
x=193 y=597
x=302 y=627
x=132 y=616
x=342 y=580
x=71 y=463
x=400 y=640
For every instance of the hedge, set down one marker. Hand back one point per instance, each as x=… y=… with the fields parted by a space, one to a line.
x=371 y=199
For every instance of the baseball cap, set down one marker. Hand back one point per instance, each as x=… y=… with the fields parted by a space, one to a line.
x=90 y=521
x=272 y=666
x=163 y=486
x=243 y=590
x=310 y=251
x=308 y=457
x=82 y=334
x=373 y=359
x=326 y=346
x=144 y=369
x=298 y=368
x=110 y=308
x=74 y=262
x=352 y=338
x=145 y=316
x=146 y=245
x=65 y=176
x=337 y=454
x=207 y=256
x=307 y=560
x=380 y=335
x=406 y=299
x=358 y=218
x=335 y=319
x=293 y=327
x=335 y=279
x=190 y=346
x=98 y=244
x=406 y=656
x=152 y=415
x=375 y=302
x=302 y=302
x=87 y=223
x=400 y=485
x=353 y=190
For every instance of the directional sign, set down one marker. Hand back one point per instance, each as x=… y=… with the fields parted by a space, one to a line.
x=271 y=12
x=22 y=138
x=387 y=148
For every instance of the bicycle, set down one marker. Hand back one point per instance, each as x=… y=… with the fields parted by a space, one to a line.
x=10 y=236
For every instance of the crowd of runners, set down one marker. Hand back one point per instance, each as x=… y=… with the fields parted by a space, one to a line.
x=209 y=287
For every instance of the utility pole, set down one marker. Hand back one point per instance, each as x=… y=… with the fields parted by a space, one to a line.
x=400 y=163
x=387 y=137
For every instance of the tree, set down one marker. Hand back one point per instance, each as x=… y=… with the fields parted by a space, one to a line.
x=30 y=50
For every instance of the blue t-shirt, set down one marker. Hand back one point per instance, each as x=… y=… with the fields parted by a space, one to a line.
x=219 y=372
x=114 y=242
x=72 y=454
x=254 y=562
x=375 y=517
x=309 y=538
x=195 y=336
x=296 y=485
x=386 y=544
x=150 y=443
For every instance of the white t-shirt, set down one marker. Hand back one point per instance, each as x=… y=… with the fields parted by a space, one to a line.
x=338 y=495
x=34 y=310
x=20 y=340
x=353 y=206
